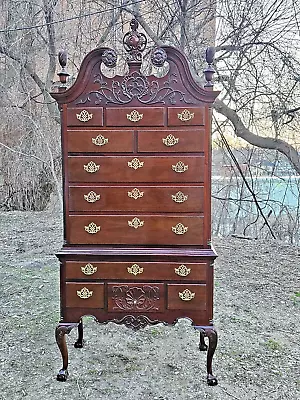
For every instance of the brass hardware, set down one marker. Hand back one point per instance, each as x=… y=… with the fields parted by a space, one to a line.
x=100 y=140
x=91 y=197
x=186 y=295
x=84 y=293
x=134 y=116
x=179 y=197
x=84 y=116
x=136 y=223
x=182 y=270
x=185 y=115
x=135 y=269
x=91 y=167
x=92 y=228
x=135 y=194
x=135 y=163
x=179 y=229
x=170 y=140
x=180 y=167
x=88 y=269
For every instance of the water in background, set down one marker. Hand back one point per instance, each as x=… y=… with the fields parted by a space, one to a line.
x=234 y=210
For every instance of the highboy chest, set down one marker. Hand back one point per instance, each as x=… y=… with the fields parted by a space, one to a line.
x=137 y=189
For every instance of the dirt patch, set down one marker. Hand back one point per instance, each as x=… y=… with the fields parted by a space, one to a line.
x=257 y=313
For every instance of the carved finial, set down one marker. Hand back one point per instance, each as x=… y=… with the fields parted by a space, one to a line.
x=63 y=74
x=209 y=71
x=134 y=43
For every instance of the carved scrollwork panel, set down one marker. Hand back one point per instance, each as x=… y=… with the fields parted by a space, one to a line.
x=128 y=298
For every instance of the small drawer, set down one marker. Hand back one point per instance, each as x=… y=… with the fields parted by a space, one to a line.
x=100 y=141
x=186 y=297
x=137 y=198
x=132 y=297
x=140 y=271
x=136 y=169
x=139 y=116
x=85 y=116
x=180 y=141
x=179 y=116
x=85 y=295
x=135 y=229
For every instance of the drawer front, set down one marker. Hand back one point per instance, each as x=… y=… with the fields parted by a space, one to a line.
x=180 y=116
x=100 y=141
x=90 y=295
x=137 y=271
x=85 y=116
x=186 y=297
x=140 y=229
x=180 y=141
x=136 y=198
x=130 y=116
x=131 y=297
x=136 y=169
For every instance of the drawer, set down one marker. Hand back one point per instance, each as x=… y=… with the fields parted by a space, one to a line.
x=86 y=116
x=132 y=297
x=100 y=141
x=136 y=198
x=186 y=297
x=139 y=229
x=180 y=116
x=136 y=271
x=85 y=295
x=180 y=141
x=139 y=116
x=136 y=169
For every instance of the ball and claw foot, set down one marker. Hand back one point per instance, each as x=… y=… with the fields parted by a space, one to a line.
x=78 y=344
x=62 y=375
x=211 y=380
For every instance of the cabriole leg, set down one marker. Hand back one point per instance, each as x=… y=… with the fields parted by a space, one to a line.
x=212 y=336
x=202 y=344
x=79 y=343
x=60 y=335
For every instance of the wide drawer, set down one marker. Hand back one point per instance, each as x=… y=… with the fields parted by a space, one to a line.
x=131 y=297
x=187 y=140
x=136 y=271
x=88 y=116
x=139 y=229
x=90 y=295
x=136 y=198
x=136 y=169
x=140 y=116
x=100 y=141
x=180 y=116
x=186 y=297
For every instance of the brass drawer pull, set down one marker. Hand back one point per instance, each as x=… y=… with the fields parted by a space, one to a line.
x=170 y=140
x=92 y=228
x=182 y=270
x=84 y=116
x=179 y=229
x=135 y=269
x=100 y=140
x=91 y=167
x=91 y=197
x=88 y=269
x=135 y=163
x=185 y=115
x=186 y=295
x=179 y=197
x=136 y=223
x=84 y=293
x=180 y=167
x=134 y=116
x=135 y=194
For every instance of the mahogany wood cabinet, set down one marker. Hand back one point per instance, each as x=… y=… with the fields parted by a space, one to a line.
x=137 y=188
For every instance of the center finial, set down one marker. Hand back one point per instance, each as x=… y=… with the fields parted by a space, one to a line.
x=134 y=43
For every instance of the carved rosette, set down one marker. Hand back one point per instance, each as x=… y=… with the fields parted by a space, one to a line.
x=128 y=298
x=109 y=58
x=158 y=57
